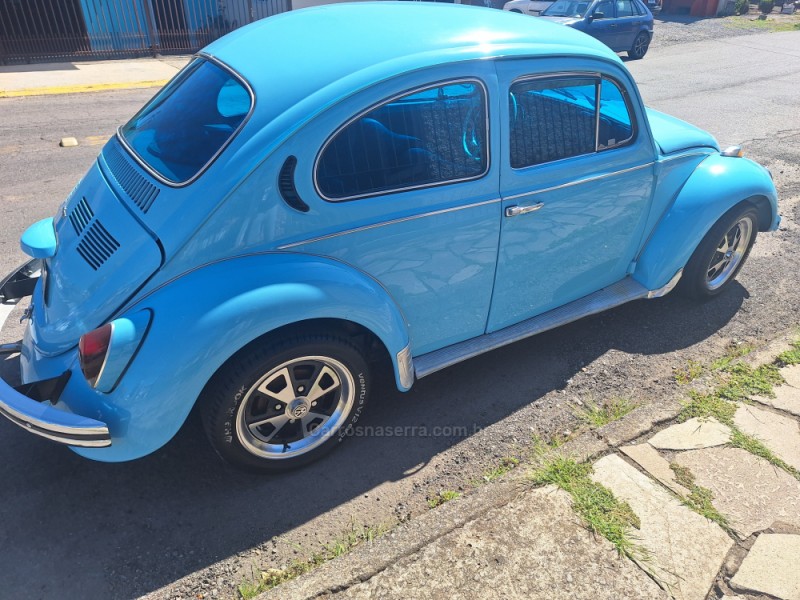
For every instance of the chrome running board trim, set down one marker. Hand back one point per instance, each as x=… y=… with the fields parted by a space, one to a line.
x=614 y=295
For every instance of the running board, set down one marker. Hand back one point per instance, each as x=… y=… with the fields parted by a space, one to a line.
x=614 y=295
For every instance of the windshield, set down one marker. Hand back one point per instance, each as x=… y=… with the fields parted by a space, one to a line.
x=566 y=8
x=187 y=123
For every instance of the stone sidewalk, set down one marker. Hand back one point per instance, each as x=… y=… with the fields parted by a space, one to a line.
x=74 y=77
x=514 y=540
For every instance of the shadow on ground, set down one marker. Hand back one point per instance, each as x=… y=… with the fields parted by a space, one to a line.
x=75 y=528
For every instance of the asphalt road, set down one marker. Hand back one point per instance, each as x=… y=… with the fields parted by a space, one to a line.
x=179 y=523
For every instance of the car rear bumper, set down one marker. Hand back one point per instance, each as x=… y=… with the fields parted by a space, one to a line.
x=41 y=417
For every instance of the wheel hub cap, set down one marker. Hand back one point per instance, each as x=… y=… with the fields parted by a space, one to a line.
x=297 y=408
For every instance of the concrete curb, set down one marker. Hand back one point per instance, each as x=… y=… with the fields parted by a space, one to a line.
x=82 y=88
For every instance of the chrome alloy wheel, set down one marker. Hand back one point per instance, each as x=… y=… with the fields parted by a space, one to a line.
x=295 y=407
x=729 y=253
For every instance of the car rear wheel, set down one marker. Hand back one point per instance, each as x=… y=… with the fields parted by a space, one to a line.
x=280 y=404
x=640 y=46
x=721 y=254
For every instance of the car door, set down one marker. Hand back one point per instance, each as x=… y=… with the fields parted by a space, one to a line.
x=576 y=188
x=601 y=23
x=406 y=180
x=628 y=22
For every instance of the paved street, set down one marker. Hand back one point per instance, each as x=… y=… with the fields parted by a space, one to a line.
x=178 y=523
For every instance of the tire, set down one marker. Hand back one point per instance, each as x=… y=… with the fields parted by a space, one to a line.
x=640 y=45
x=282 y=403
x=714 y=263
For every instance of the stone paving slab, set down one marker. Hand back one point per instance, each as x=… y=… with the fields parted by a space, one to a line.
x=749 y=491
x=787 y=398
x=778 y=433
x=692 y=434
x=651 y=461
x=686 y=549
x=533 y=548
x=792 y=375
x=771 y=567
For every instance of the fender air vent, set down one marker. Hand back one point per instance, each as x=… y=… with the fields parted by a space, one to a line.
x=286 y=186
x=97 y=245
x=139 y=190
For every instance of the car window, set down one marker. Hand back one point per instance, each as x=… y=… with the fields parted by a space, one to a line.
x=553 y=119
x=624 y=8
x=616 y=124
x=566 y=8
x=605 y=8
x=428 y=137
x=187 y=123
x=637 y=8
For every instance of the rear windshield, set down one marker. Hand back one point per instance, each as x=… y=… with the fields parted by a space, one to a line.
x=187 y=123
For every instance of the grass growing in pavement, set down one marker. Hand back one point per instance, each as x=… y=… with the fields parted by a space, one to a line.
x=506 y=464
x=603 y=513
x=733 y=351
x=740 y=382
x=754 y=446
x=689 y=373
x=442 y=497
x=745 y=381
x=266 y=580
x=598 y=415
x=790 y=357
x=700 y=499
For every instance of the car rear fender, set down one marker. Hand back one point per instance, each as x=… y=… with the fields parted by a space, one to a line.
x=202 y=318
x=716 y=185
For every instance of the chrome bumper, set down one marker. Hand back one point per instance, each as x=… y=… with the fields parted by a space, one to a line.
x=41 y=418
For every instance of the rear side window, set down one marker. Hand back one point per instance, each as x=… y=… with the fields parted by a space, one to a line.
x=553 y=119
x=180 y=131
x=431 y=136
x=625 y=8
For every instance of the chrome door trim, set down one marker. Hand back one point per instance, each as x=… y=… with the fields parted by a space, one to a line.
x=384 y=223
x=579 y=181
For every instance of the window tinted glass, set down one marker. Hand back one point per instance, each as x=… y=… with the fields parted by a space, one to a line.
x=428 y=137
x=551 y=120
x=567 y=8
x=181 y=129
x=606 y=8
x=616 y=125
x=624 y=8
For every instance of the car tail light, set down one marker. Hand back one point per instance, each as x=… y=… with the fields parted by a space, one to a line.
x=93 y=350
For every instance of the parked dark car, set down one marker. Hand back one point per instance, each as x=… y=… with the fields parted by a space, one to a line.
x=622 y=25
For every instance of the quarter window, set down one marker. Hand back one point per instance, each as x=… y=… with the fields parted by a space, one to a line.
x=428 y=137
x=553 y=119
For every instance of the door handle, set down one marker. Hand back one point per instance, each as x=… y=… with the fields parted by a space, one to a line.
x=515 y=211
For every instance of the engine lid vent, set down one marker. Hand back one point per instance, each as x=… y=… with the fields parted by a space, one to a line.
x=139 y=190
x=97 y=245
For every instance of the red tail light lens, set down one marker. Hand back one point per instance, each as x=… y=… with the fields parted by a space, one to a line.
x=92 y=350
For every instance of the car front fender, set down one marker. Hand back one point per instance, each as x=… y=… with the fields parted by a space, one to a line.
x=716 y=185
x=202 y=318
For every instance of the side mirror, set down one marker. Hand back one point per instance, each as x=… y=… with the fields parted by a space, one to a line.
x=597 y=15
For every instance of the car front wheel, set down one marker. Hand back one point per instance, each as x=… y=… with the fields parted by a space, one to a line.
x=721 y=254
x=640 y=46
x=280 y=404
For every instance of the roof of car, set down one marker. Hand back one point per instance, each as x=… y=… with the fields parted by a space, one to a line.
x=291 y=56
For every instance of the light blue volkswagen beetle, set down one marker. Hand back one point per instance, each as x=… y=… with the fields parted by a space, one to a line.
x=327 y=190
